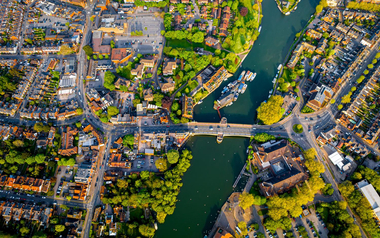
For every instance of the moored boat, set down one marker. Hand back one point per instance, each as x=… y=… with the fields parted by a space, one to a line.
x=241 y=76
x=244 y=88
x=252 y=77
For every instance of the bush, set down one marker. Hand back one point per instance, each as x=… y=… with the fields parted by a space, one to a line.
x=307 y=109
x=297 y=128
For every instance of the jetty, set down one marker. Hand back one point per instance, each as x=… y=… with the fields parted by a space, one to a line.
x=239 y=177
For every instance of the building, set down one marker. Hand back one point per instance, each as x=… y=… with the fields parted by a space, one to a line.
x=337 y=159
x=97 y=46
x=67 y=147
x=320 y=94
x=120 y=55
x=283 y=170
x=211 y=41
x=371 y=195
x=212 y=77
x=169 y=67
x=83 y=174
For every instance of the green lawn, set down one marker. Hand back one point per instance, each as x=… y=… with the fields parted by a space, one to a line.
x=189 y=46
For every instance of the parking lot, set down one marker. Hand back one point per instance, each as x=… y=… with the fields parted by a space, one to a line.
x=151 y=40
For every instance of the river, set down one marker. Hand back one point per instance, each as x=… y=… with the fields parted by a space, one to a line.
x=208 y=182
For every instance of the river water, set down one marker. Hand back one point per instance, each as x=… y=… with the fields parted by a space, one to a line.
x=208 y=182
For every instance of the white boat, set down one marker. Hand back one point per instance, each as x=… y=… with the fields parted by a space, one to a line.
x=200 y=102
x=246 y=77
x=259 y=29
x=287 y=14
x=252 y=77
x=244 y=88
x=279 y=67
x=241 y=76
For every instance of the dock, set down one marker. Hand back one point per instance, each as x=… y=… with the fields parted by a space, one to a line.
x=239 y=177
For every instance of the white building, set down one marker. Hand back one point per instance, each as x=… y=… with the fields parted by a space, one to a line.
x=370 y=193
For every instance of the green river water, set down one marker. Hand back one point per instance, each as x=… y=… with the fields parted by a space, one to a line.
x=214 y=168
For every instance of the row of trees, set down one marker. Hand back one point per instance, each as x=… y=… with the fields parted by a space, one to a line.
x=151 y=190
x=197 y=37
x=338 y=221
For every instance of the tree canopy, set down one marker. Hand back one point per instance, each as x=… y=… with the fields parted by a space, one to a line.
x=172 y=156
x=109 y=79
x=271 y=111
x=246 y=200
x=129 y=140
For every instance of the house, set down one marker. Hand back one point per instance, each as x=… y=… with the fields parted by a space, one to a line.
x=211 y=41
x=138 y=71
x=212 y=77
x=314 y=34
x=122 y=82
x=168 y=86
x=320 y=94
x=322 y=44
x=67 y=147
x=283 y=170
x=148 y=94
x=169 y=67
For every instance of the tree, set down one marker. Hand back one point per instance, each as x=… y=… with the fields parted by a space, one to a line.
x=246 y=200
x=357 y=176
x=271 y=112
x=88 y=50
x=340 y=106
x=263 y=137
x=161 y=217
x=129 y=140
x=318 y=9
x=310 y=154
x=346 y=188
x=68 y=198
x=146 y=230
x=366 y=72
x=109 y=78
x=243 y=228
x=30 y=160
x=353 y=89
x=243 y=11
x=161 y=164
x=172 y=156
x=112 y=111
x=79 y=111
x=332 y=101
x=66 y=50
x=92 y=18
x=64 y=207
x=24 y=230
x=18 y=143
x=314 y=166
x=78 y=124
x=40 y=158
x=39 y=127
x=59 y=228
x=112 y=44
x=346 y=98
x=370 y=66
